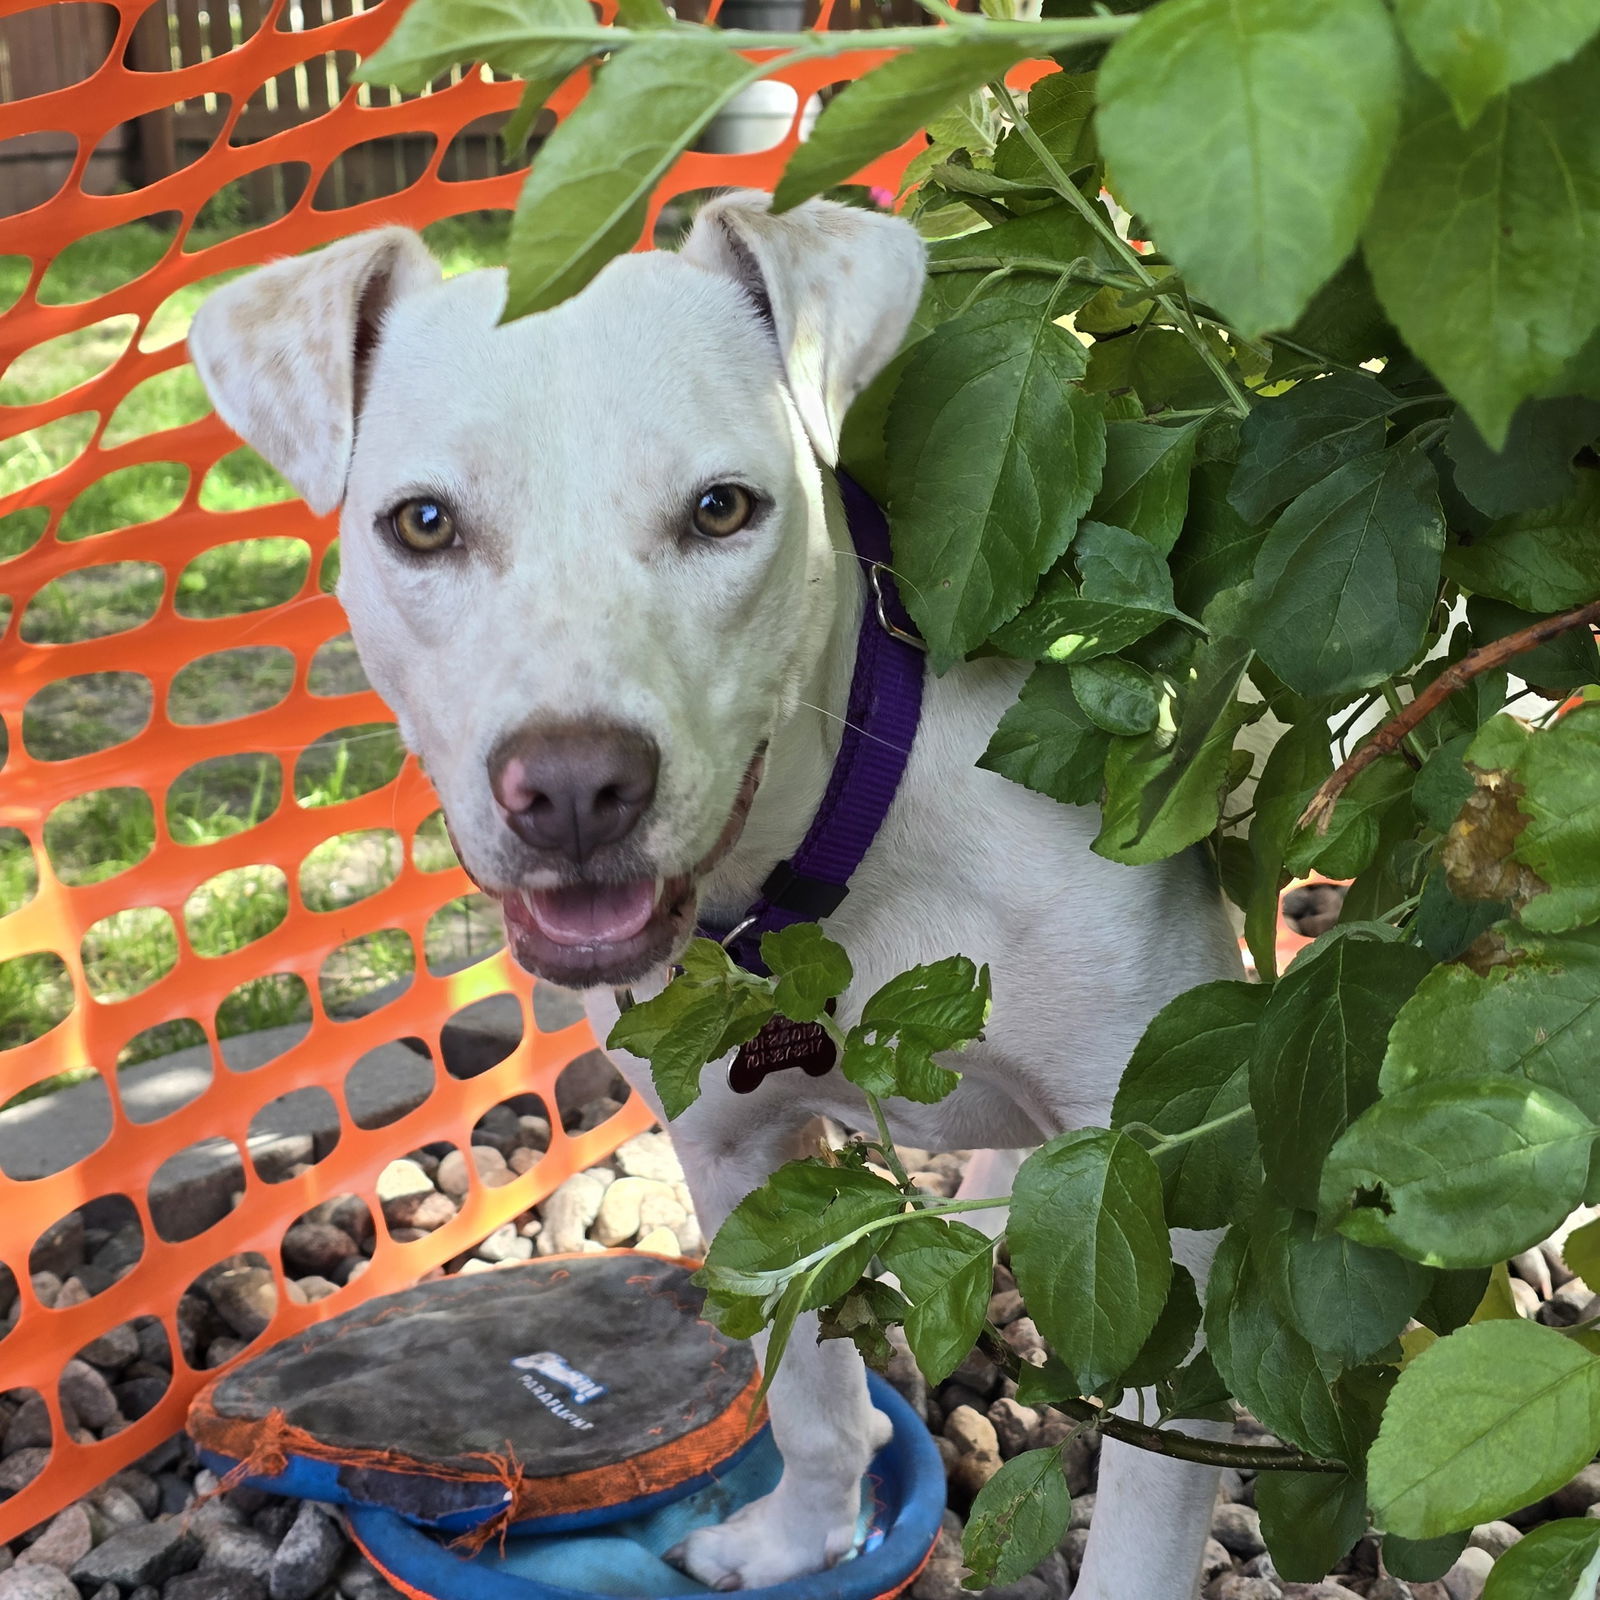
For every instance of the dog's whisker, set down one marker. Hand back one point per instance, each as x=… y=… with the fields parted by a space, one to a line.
x=846 y=722
x=894 y=572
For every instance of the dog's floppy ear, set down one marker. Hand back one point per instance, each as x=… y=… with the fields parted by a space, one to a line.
x=839 y=286
x=282 y=351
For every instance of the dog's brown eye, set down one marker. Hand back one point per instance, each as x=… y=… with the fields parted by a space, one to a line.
x=724 y=508
x=423 y=525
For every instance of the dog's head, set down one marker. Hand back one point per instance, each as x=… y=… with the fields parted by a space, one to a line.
x=584 y=555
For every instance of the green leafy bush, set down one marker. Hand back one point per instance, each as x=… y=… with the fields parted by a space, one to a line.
x=1323 y=452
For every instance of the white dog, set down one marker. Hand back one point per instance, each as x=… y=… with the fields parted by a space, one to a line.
x=595 y=562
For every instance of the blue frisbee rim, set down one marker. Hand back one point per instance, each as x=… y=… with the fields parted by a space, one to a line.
x=911 y=1459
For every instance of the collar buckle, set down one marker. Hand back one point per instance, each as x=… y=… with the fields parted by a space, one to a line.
x=875 y=572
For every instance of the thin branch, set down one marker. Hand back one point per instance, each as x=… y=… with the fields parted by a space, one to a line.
x=1458 y=675
x=1166 y=1441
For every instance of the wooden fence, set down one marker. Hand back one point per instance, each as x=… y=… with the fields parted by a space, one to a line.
x=54 y=45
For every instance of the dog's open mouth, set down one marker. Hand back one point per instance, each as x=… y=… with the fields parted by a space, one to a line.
x=586 y=935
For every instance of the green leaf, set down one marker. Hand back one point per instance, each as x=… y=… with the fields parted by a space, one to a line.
x=1567 y=662
x=434 y=35
x=1060 y=112
x=1348 y=576
x=1292 y=442
x=588 y=195
x=1344 y=1298
x=688 y=1024
x=940 y=1006
x=1459 y=1172
x=1491 y=1418
x=1560 y=1561
x=1540 y=560
x=1451 y=1298
x=1465 y=227
x=1298 y=763
x=1173 y=1336
x=1217 y=548
x=1157 y=369
x=1477 y=49
x=995 y=454
x=1191 y=1067
x=803 y=1207
x=643 y=14
x=810 y=968
x=1018 y=1517
x=1090 y=1249
x=1422 y=1560
x=1310 y=1519
x=1356 y=826
x=1534 y=467
x=1446 y=927
x=1164 y=790
x=1535 y=1014
x=1045 y=741
x=1126 y=594
x=889 y=105
x=1196 y=1391
x=1145 y=487
x=1317 y=1054
x=1581 y=1252
x=863 y=1317
x=946 y=1272
x=1531 y=831
x=1116 y=695
x=1267 y=1365
x=1251 y=135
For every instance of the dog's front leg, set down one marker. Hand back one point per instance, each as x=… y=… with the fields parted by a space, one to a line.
x=823 y=1423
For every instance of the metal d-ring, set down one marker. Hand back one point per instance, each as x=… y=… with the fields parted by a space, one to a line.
x=875 y=578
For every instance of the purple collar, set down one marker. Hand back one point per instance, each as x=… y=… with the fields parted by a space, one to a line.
x=881 y=720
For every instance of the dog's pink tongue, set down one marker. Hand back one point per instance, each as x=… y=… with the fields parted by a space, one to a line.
x=588 y=913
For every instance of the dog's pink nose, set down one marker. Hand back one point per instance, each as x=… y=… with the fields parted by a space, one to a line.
x=573 y=787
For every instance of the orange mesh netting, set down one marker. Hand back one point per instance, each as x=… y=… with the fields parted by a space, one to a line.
x=228 y=98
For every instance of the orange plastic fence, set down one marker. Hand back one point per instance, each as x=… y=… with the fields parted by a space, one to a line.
x=57 y=916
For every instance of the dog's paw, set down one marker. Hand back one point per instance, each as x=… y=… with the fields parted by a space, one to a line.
x=771 y=1540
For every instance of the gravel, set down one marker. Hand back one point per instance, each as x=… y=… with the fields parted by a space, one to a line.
x=162 y=1530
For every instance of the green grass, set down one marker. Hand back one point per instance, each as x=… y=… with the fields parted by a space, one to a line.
x=98 y=835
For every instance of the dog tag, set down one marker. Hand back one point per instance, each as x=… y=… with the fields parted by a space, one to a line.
x=782 y=1044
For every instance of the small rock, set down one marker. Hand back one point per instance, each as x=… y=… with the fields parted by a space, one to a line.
x=139 y=1396
x=940 y=1580
x=455 y=1175
x=59 y=1249
x=569 y=1211
x=1575 y=1496
x=1326 y=1590
x=30 y=1427
x=977 y=1448
x=1238 y=1530
x=1524 y=1297
x=131 y=1485
x=32 y=1582
x=505 y=1244
x=1013 y=1425
x=317 y=1247
x=426 y=1211
x=1560 y=1272
x=1004 y=1306
x=246 y=1299
x=1026 y=1588
x=533 y=1132
x=1073 y=1543
x=941 y=1187
x=275 y=1519
x=88 y=1393
x=617 y=1220
x=1261 y=1567
x=906 y=1376
x=19 y=1469
x=1465 y=1580
x=114 y=1349
x=306 y=1559
x=1235 y=1586
x=659 y=1242
x=149 y=1553
x=314 y=1288
x=401 y=1178
x=1024 y=1338
x=1570 y=1304
x=1389 y=1588
x=229 y=1548
x=347 y=1212
x=1214 y=1562
x=215 y=1586
x=649 y=1155
x=1495 y=1537
x=1533 y=1269
x=521 y=1161
x=68 y=1539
